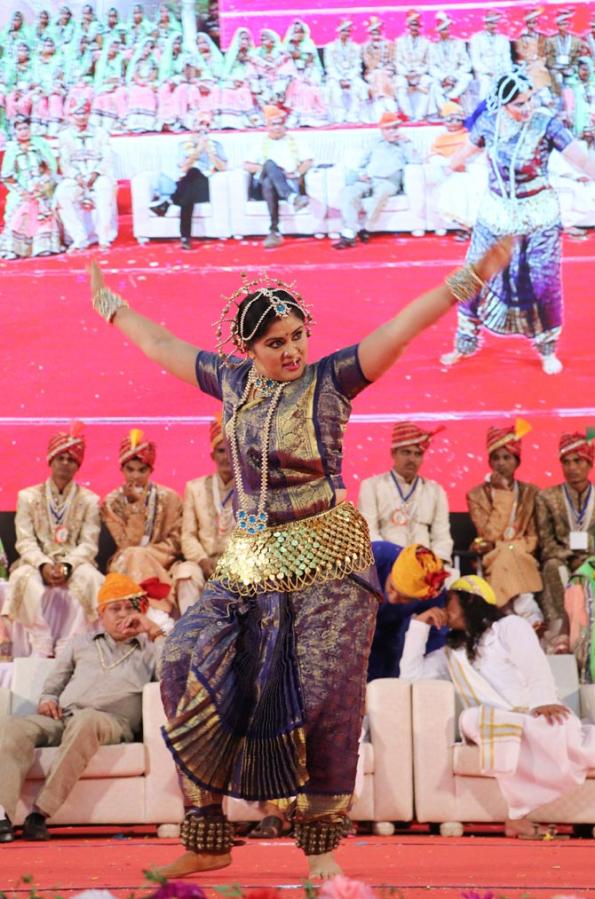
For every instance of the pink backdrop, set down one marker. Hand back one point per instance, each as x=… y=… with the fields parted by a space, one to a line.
x=322 y=15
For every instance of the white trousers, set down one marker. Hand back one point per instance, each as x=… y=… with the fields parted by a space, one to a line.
x=76 y=220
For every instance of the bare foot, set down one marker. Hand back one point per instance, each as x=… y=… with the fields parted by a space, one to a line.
x=523 y=829
x=323 y=866
x=193 y=863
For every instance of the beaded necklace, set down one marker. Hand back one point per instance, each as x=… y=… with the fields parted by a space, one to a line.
x=107 y=666
x=251 y=522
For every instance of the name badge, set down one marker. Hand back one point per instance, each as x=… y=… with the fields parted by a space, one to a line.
x=579 y=540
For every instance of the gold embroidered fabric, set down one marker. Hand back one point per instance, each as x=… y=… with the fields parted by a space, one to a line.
x=292 y=556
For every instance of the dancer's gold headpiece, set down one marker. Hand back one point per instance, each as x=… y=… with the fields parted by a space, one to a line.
x=261 y=286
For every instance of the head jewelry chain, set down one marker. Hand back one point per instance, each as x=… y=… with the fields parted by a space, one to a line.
x=262 y=287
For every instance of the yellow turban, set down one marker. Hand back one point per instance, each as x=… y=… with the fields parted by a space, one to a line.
x=472 y=583
x=117 y=587
x=418 y=573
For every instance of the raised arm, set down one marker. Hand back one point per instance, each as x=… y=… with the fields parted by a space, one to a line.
x=157 y=343
x=381 y=349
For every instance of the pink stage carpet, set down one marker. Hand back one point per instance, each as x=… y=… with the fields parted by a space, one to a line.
x=403 y=867
x=59 y=361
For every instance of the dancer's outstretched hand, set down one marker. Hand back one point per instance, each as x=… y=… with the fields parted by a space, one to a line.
x=495 y=259
x=96 y=277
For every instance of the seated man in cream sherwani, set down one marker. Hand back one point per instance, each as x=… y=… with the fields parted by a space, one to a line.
x=207 y=521
x=401 y=506
x=92 y=698
x=536 y=748
x=145 y=520
x=54 y=582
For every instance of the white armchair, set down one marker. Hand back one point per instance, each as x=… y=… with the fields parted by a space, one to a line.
x=208 y=220
x=252 y=217
x=128 y=783
x=403 y=212
x=448 y=783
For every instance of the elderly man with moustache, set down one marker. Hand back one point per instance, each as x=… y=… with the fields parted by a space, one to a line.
x=91 y=698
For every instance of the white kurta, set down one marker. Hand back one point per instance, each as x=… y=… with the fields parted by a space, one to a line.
x=82 y=154
x=448 y=59
x=412 y=79
x=533 y=761
x=490 y=58
x=427 y=512
x=343 y=66
x=52 y=614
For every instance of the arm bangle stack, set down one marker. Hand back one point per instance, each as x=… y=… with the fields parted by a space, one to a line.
x=107 y=303
x=464 y=283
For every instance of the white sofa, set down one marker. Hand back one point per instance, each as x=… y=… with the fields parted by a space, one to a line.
x=136 y=783
x=449 y=786
x=210 y=219
x=129 y=783
x=252 y=216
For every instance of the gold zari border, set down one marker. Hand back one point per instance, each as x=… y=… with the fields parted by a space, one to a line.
x=292 y=556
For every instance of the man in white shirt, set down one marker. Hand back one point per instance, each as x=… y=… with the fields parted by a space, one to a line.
x=535 y=747
x=449 y=66
x=347 y=92
x=401 y=506
x=88 y=184
x=278 y=171
x=411 y=63
x=490 y=53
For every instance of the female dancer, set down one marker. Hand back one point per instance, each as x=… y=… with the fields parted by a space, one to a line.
x=526 y=298
x=263 y=681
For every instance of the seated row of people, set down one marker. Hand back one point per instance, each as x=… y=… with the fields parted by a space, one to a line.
x=93 y=696
x=148 y=76
x=170 y=547
x=531 y=544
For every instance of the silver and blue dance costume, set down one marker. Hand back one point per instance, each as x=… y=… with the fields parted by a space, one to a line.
x=264 y=691
x=526 y=297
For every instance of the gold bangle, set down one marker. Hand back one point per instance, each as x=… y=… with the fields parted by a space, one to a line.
x=464 y=283
x=107 y=303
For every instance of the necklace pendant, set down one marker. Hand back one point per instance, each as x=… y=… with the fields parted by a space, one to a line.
x=61 y=534
x=252 y=523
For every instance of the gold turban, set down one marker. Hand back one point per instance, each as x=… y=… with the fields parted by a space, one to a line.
x=418 y=573
x=117 y=587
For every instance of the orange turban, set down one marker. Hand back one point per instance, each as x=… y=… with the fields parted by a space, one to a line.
x=406 y=433
x=418 y=573
x=71 y=442
x=117 y=587
x=576 y=443
x=216 y=431
x=134 y=446
x=273 y=112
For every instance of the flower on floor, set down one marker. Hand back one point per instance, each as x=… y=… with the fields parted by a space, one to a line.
x=340 y=887
x=176 y=889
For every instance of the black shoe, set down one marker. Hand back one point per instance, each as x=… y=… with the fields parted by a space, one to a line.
x=7 y=834
x=344 y=243
x=35 y=828
x=364 y=235
x=185 y=244
x=160 y=208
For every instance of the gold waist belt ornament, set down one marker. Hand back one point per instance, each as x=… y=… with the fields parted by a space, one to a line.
x=293 y=556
